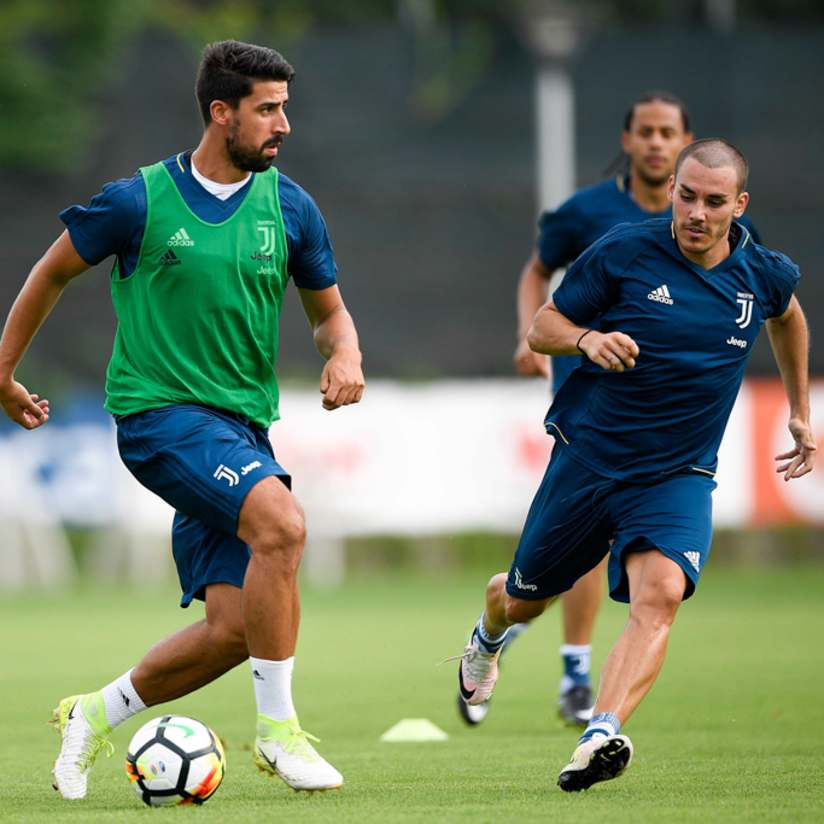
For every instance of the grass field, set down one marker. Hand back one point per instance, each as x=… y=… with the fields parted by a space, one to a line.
x=731 y=732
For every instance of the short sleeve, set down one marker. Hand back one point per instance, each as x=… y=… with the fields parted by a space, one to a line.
x=112 y=224
x=558 y=236
x=311 y=261
x=784 y=277
x=587 y=289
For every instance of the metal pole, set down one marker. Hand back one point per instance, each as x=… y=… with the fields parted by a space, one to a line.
x=720 y=14
x=555 y=134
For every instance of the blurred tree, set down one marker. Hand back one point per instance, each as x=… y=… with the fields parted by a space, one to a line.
x=785 y=11
x=54 y=59
x=57 y=58
x=206 y=21
x=454 y=44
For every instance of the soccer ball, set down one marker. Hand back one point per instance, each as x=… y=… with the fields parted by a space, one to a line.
x=175 y=760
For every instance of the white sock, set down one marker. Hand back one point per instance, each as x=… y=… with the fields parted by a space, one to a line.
x=273 y=687
x=121 y=699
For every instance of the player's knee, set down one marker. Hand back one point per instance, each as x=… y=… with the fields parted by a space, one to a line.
x=282 y=537
x=291 y=533
x=659 y=601
x=519 y=612
x=496 y=588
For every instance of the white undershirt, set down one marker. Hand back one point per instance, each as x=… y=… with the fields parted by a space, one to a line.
x=222 y=191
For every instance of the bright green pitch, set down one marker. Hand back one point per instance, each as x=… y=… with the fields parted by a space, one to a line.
x=732 y=731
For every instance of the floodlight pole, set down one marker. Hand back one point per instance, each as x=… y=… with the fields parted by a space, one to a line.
x=553 y=34
x=555 y=135
x=720 y=15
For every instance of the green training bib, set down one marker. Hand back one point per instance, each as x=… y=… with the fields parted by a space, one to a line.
x=198 y=318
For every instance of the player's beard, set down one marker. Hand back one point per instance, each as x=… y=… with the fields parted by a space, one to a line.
x=246 y=158
x=652 y=180
x=713 y=235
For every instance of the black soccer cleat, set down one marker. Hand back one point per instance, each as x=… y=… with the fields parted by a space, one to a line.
x=575 y=705
x=598 y=759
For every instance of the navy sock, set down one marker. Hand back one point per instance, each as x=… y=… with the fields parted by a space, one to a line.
x=491 y=643
x=605 y=723
x=576 y=659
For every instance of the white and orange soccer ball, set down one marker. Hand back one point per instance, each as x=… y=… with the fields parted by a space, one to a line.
x=175 y=760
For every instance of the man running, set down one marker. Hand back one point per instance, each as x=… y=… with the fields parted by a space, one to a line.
x=204 y=245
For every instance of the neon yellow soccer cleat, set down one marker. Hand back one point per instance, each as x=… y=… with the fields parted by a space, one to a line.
x=282 y=748
x=81 y=744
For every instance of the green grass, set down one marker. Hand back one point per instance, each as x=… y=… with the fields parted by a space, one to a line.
x=731 y=732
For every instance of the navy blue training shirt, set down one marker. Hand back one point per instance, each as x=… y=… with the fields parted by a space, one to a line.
x=114 y=222
x=577 y=223
x=695 y=329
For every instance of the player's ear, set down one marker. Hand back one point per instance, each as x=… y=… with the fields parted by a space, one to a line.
x=626 y=136
x=741 y=204
x=221 y=112
x=670 y=187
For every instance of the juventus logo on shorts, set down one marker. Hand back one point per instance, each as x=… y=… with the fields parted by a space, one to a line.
x=224 y=473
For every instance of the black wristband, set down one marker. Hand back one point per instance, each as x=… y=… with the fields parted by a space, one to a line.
x=578 y=345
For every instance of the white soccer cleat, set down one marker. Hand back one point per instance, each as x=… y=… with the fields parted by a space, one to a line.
x=472 y=714
x=477 y=672
x=282 y=748
x=80 y=747
x=600 y=758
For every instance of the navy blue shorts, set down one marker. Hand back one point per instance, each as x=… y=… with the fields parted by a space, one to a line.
x=576 y=513
x=202 y=462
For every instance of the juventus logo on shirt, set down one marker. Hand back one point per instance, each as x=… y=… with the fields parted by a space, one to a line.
x=744 y=300
x=267 y=229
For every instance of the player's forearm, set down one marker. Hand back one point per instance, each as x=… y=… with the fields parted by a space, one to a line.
x=37 y=298
x=790 y=344
x=336 y=334
x=532 y=294
x=552 y=333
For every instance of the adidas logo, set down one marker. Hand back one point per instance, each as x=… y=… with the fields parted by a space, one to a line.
x=695 y=559
x=180 y=238
x=170 y=259
x=661 y=295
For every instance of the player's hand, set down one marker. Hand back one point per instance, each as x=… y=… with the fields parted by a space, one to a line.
x=614 y=351
x=342 y=381
x=801 y=459
x=23 y=408
x=528 y=362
